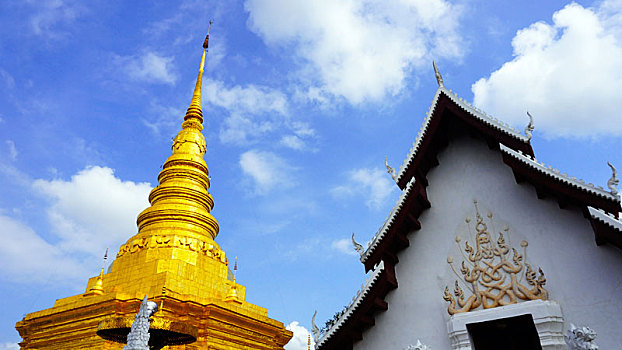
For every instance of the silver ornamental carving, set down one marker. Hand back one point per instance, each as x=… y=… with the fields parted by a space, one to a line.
x=390 y=170
x=613 y=181
x=529 y=128
x=418 y=346
x=314 y=329
x=439 y=78
x=359 y=248
x=580 y=338
x=138 y=338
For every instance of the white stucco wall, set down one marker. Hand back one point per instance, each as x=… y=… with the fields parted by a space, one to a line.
x=585 y=279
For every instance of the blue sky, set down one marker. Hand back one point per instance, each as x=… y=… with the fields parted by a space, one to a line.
x=302 y=102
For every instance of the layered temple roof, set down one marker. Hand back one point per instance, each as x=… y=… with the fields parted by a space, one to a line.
x=599 y=206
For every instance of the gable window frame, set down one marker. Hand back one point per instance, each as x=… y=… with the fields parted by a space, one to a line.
x=547 y=318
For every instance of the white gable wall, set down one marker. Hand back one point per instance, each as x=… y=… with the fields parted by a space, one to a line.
x=585 y=279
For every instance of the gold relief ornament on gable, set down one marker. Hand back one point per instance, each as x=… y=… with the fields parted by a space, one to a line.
x=489 y=274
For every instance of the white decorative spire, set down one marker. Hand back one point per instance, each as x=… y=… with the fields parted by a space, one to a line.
x=390 y=170
x=529 y=128
x=613 y=181
x=359 y=248
x=314 y=329
x=439 y=78
x=138 y=338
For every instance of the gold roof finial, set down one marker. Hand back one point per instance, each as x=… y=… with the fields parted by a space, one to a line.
x=233 y=293
x=235 y=268
x=98 y=287
x=309 y=341
x=194 y=111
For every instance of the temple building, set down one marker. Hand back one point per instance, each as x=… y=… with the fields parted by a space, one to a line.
x=486 y=248
x=175 y=261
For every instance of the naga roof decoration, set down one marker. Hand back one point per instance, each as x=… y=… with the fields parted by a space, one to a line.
x=558 y=175
x=478 y=114
x=353 y=305
x=371 y=246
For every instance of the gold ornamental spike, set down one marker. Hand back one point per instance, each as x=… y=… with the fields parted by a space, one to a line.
x=194 y=111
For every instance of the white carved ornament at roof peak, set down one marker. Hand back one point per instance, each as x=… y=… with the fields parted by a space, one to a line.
x=472 y=110
x=371 y=246
x=370 y=280
x=613 y=180
x=390 y=170
x=357 y=247
x=555 y=173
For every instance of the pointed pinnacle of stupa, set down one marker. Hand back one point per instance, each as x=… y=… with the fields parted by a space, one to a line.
x=98 y=286
x=194 y=111
x=181 y=203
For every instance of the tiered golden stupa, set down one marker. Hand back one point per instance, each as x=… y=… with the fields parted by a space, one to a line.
x=174 y=260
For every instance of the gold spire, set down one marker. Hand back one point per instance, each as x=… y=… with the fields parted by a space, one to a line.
x=181 y=203
x=233 y=293
x=194 y=111
x=98 y=286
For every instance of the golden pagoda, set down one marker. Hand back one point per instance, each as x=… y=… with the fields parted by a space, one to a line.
x=174 y=260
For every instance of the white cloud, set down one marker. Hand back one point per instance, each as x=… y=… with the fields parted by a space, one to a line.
x=185 y=21
x=359 y=50
x=26 y=257
x=48 y=15
x=7 y=79
x=267 y=170
x=94 y=209
x=344 y=246
x=149 y=67
x=372 y=184
x=299 y=140
x=303 y=129
x=307 y=248
x=164 y=118
x=292 y=141
x=567 y=74
x=254 y=110
x=251 y=98
x=300 y=339
x=9 y=346
x=12 y=150
x=240 y=128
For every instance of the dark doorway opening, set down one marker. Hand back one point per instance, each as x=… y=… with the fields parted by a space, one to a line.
x=512 y=333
